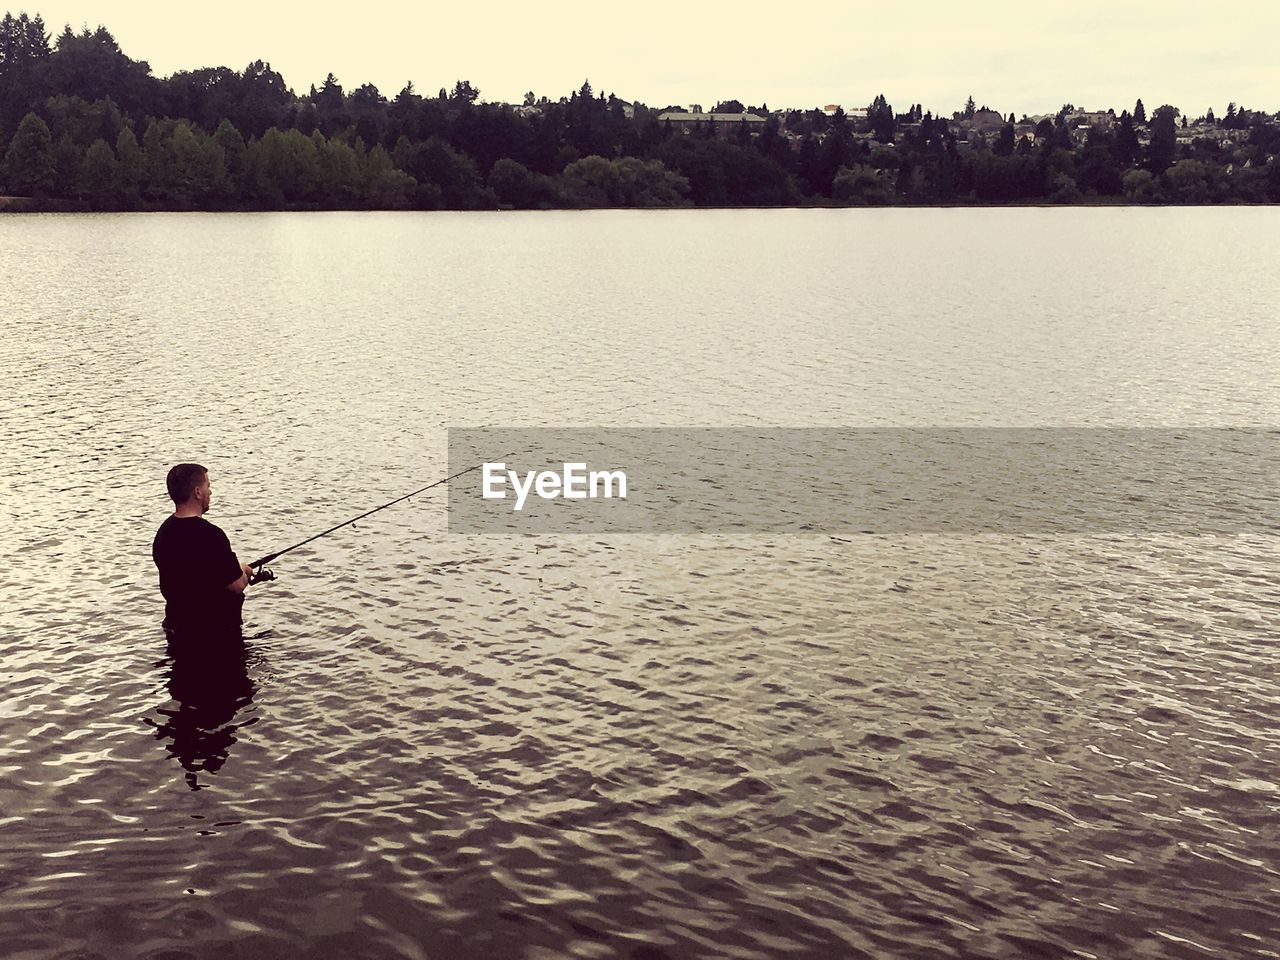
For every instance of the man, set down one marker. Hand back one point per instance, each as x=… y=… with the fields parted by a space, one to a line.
x=202 y=580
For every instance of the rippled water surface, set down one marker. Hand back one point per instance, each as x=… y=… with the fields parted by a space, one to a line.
x=640 y=747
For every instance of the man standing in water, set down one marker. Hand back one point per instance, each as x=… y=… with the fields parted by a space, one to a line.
x=202 y=580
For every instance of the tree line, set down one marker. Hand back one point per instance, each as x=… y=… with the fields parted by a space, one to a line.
x=84 y=126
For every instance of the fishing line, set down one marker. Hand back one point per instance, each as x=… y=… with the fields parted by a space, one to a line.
x=264 y=574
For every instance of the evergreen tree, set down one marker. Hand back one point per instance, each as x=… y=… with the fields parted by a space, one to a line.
x=1061 y=135
x=771 y=145
x=262 y=100
x=1127 y=147
x=37 y=38
x=91 y=65
x=465 y=93
x=98 y=174
x=29 y=162
x=8 y=41
x=159 y=171
x=24 y=54
x=1164 y=139
x=341 y=182
x=403 y=113
x=1004 y=144
x=883 y=124
x=808 y=166
x=836 y=152
x=200 y=167
x=130 y=168
x=289 y=167
x=454 y=175
x=387 y=188
x=68 y=157
x=368 y=106
x=1139 y=112
x=233 y=147
x=330 y=98
x=83 y=121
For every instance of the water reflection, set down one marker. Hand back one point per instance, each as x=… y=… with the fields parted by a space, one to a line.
x=209 y=683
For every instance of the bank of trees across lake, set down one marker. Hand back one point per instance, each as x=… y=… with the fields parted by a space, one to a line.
x=84 y=126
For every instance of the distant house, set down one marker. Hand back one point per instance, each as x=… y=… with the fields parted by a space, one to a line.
x=1203 y=131
x=721 y=124
x=858 y=118
x=1095 y=119
x=1218 y=133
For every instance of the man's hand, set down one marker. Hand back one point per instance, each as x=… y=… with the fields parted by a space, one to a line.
x=248 y=570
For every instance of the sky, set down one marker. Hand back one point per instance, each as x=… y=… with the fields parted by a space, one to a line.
x=1021 y=57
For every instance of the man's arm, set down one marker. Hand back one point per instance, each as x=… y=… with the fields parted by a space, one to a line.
x=238 y=585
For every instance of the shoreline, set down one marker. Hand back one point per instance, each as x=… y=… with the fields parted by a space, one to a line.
x=29 y=205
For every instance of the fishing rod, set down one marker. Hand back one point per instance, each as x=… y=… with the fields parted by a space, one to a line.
x=262 y=574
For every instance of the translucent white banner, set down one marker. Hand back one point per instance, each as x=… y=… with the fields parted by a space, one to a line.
x=823 y=480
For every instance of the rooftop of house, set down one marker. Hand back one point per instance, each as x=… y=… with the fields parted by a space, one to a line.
x=715 y=117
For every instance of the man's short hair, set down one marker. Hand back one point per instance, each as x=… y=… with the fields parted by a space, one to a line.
x=183 y=479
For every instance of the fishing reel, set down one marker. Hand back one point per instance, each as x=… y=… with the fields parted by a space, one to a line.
x=262 y=575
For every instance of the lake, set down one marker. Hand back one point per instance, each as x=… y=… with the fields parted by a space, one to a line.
x=630 y=746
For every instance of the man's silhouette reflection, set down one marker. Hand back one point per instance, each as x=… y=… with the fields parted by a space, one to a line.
x=208 y=679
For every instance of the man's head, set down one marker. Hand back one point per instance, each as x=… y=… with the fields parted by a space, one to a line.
x=188 y=484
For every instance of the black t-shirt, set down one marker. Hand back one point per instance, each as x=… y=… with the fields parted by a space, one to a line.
x=196 y=563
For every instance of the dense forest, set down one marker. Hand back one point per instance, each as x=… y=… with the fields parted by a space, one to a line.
x=84 y=126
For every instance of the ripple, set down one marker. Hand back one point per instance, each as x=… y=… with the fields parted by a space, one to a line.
x=642 y=748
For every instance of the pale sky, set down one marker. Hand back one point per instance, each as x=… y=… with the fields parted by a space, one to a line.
x=1018 y=57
